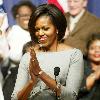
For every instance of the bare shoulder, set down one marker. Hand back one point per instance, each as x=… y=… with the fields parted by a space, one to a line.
x=64 y=47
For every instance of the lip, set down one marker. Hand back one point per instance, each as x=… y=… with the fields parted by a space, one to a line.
x=43 y=39
x=97 y=55
x=25 y=21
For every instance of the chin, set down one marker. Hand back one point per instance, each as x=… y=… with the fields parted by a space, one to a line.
x=43 y=45
x=25 y=28
x=96 y=60
x=73 y=13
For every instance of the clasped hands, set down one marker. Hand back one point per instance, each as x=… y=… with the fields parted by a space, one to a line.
x=90 y=81
x=34 y=67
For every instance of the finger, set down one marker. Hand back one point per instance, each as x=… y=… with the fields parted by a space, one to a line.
x=35 y=62
x=32 y=52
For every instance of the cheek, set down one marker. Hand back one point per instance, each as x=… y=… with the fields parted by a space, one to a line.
x=52 y=34
x=23 y=23
x=90 y=52
x=79 y=9
x=79 y=6
x=90 y=57
x=36 y=34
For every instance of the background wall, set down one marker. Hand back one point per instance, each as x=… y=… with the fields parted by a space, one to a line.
x=94 y=7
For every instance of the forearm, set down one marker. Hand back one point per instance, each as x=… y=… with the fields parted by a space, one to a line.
x=50 y=82
x=24 y=93
x=90 y=81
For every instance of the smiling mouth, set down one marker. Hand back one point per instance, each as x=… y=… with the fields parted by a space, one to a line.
x=42 y=39
x=98 y=56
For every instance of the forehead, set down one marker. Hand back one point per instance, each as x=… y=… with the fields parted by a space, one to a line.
x=44 y=20
x=96 y=42
x=24 y=9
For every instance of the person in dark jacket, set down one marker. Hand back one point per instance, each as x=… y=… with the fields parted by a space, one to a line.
x=90 y=89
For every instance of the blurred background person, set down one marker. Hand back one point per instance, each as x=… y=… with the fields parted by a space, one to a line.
x=90 y=89
x=1 y=93
x=4 y=55
x=3 y=18
x=93 y=6
x=4 y=48
x=81 y=23
x=8 y=4
x=17 y=36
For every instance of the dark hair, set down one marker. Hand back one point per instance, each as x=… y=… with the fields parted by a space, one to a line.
x=56 y=16
x=26 y=46
x=16 y=7
x=94 y=36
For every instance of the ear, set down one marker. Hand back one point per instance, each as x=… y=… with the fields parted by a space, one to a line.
x=85 y=3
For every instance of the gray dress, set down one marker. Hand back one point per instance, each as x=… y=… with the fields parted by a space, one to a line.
x=70 y=77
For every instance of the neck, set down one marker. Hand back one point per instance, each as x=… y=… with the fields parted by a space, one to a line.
x=53 y=48
x=95 y=65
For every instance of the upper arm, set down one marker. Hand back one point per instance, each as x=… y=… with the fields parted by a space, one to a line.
x=74 y=77
x=22 y=76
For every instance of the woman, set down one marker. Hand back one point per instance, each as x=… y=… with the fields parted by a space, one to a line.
x=36 y=79
x=91 y=85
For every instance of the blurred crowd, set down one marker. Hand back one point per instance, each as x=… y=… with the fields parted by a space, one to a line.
x=82 y=32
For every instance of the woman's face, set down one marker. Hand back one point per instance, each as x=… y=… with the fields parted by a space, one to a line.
x=94 y=51
x=46 y=32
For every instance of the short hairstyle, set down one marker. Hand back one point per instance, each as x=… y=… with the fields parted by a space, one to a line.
x=27 y=46
x=16 y=7
x=56 y=16
x=94 y=37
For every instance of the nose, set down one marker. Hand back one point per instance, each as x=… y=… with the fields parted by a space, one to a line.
x=97 y=49
x=26 y=17
x=41 y=32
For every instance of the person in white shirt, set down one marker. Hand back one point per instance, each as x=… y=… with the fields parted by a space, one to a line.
x=18 y=34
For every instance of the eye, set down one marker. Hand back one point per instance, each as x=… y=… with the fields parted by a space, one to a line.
x=37 y=29
x=76 y=1
x=92 y=48
x=45 y=28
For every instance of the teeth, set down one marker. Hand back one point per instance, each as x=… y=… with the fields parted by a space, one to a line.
x=26 y=22
x=41 y=38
